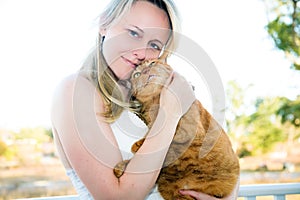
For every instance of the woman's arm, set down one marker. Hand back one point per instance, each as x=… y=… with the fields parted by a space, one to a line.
x=92 y=150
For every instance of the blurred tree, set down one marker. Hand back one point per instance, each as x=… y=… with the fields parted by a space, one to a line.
x=263 y=126
x=40 y=134
x=290 y=111
x=48 y=131
x=236 y=117
x=3 y=147
x=284 y=27
x=254 y=127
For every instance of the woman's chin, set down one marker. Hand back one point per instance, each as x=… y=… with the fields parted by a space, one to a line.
x=124 y=77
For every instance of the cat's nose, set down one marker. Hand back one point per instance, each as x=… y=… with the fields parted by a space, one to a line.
x=146 y=70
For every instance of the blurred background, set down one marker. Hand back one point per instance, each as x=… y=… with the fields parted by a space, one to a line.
x=254 y=44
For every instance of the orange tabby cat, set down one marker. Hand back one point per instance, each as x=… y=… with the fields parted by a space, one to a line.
x=200 y=156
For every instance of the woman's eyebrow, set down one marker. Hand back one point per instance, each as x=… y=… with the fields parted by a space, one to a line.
x=138 y=28
x=141 y=30
x=156 y=40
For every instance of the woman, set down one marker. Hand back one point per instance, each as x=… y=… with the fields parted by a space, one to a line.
x=87 y=105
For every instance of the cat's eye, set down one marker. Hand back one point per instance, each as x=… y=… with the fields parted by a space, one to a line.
x=152 y=63
x=137 y=74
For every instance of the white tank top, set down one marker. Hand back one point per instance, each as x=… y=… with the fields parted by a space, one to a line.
x=127 y=130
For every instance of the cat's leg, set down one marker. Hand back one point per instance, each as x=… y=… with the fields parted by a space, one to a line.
x=135 y=147
x=119 y=169
x=121 y=166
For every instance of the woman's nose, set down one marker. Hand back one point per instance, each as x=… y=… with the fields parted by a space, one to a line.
x=140 y=54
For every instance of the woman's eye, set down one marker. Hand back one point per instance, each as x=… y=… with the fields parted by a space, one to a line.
x=155 y=46
x=137 y=74
x=134 y=33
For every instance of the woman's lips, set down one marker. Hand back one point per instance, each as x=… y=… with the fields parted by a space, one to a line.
x=130 y=63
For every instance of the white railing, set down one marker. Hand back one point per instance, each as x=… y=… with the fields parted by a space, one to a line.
x=248 y=192
x=278 y=191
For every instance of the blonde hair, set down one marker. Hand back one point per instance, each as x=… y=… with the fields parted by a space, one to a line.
x=96 y=69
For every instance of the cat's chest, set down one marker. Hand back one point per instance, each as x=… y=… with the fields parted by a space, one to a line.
x=127 y=130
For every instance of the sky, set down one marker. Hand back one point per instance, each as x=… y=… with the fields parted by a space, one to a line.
x=42 y=41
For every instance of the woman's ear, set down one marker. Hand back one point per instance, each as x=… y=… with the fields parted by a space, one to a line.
x=102 y=31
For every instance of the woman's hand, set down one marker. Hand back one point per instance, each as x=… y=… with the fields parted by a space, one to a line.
x=202 y=196
x=199 y=195
x=177 y=96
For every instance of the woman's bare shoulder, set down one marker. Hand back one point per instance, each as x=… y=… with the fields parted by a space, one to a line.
x=67 y=85
x=72 y=84
x=73 y=88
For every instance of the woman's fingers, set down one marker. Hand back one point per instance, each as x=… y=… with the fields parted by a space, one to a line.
x=177 y=96
x=169 y=80
x=183 y=91
x=197 y=195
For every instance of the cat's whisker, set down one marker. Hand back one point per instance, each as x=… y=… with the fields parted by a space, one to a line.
x=151 y=77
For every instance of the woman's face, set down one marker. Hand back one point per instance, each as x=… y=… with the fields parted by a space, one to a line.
x=138 y=36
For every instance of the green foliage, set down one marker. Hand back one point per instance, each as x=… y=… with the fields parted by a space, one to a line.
x=3 y=148
x=39 y=134
x=264 y=135
x=236 y=118
x=49 y=133
x=264 y=129
x=284 y=28
x=290 y=111
x=283 y=36
x=237 y=107
x=243 y=151
x=10 y=153
x=24 y=141
x=257 y=131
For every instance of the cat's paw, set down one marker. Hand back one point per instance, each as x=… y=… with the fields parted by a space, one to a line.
x=135 y=147
x=119 y=169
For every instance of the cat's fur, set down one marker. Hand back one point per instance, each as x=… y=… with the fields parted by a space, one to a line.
x=200 y=156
